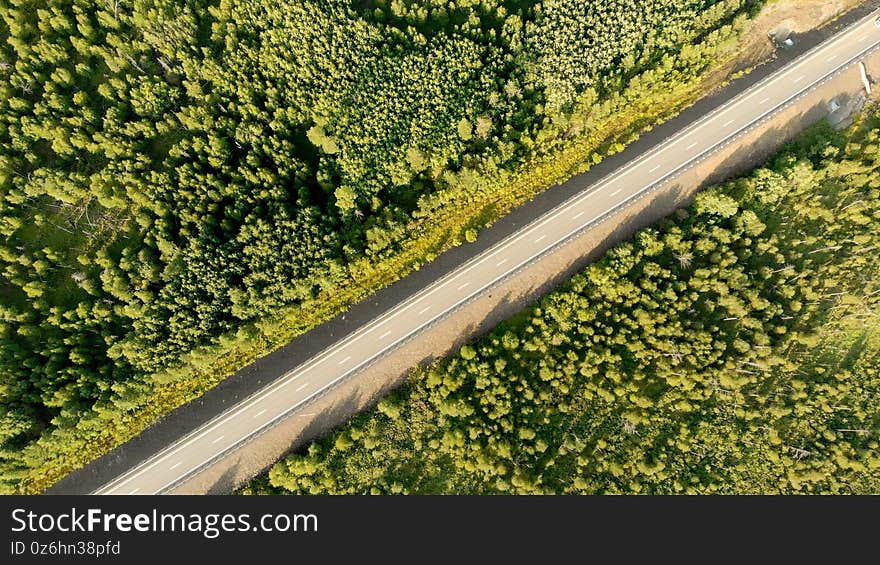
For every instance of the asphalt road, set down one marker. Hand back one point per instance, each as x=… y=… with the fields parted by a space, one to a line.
x=256 y=413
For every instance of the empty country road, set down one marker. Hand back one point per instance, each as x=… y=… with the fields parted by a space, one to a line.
x=230 y=430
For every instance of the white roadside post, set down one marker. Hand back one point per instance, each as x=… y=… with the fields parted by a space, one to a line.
x=865 y=80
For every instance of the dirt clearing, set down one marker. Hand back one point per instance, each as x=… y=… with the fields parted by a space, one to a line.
x=782 y=18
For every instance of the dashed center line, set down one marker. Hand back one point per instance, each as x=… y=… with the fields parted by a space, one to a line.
x=384 y=335
x=831 y=58
x=727 y=123
x=260 y=413
x=764 y=101
x=616 y=192
x=218 y=439
x=344 y=360
x=302 y=386
x=654 y=169
x=175 y=466
x=578 y=215
x=540 y=239
x=863 y=38
x=798 y=79
x=425 y=309
x=501 y=262
x=691 y=146
x=463 y=286
x=134 y=491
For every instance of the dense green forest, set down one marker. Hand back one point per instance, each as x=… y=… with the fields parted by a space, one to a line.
x=735 y=348
x=187 y=184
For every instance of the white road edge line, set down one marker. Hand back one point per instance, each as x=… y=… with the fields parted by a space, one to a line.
x=286 y=379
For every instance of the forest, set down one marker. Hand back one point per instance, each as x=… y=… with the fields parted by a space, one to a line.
x=187 y=184
x=733 y=348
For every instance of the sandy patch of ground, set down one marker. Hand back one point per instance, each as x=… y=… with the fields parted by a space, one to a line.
x=783 y=17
